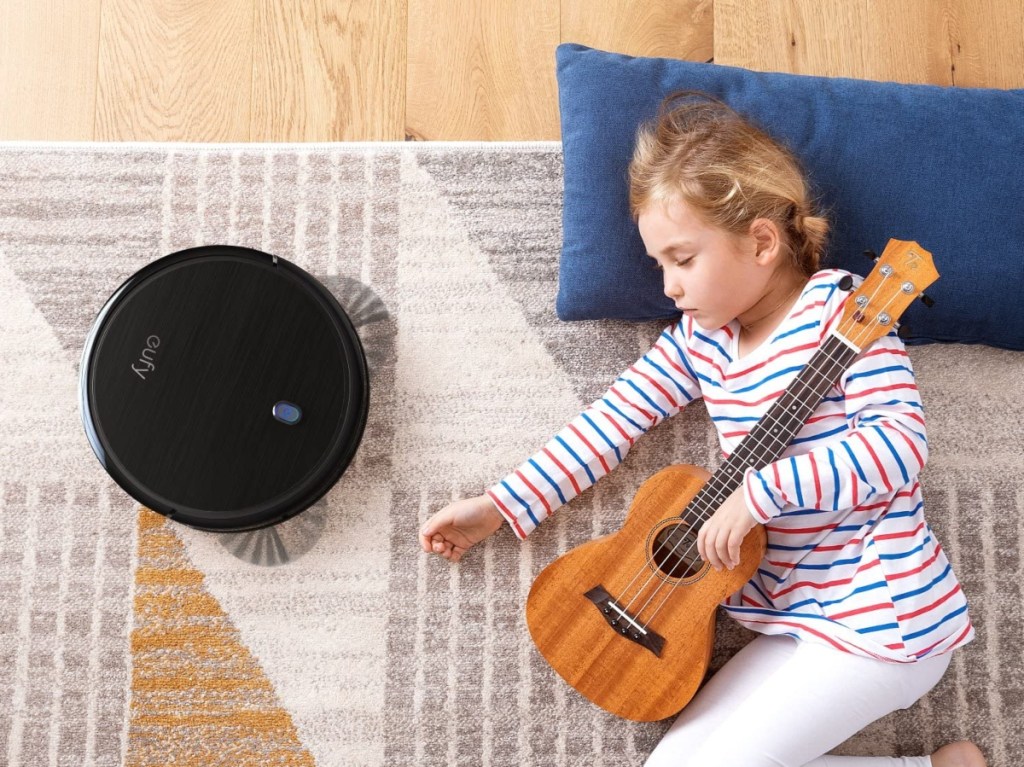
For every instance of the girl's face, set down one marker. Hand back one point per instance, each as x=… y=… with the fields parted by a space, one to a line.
x=710 y=274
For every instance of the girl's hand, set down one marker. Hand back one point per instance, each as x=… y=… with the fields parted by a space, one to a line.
x=456 y=527
x=718 y=541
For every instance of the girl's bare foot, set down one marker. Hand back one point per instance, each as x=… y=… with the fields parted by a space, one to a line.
x=963 y=753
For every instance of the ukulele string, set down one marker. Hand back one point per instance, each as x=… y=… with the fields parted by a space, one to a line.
x=864 y=332
x=700 y=516
x=842 y=351
x=704 y=514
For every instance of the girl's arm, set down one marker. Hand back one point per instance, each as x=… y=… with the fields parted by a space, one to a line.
x=885 y=448
x=658 y=386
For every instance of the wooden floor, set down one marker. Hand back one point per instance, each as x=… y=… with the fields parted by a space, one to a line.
x=325 y=70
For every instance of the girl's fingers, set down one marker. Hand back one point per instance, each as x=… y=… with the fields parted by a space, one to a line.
x=709 y=546
x=734 y=550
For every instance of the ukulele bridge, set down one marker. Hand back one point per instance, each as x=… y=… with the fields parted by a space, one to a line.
x=623 y=623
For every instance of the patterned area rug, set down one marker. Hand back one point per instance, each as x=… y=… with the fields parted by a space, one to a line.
x=125 y=639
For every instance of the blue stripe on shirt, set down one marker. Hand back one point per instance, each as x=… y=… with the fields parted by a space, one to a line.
x=682 y=357
x=856 y=464
x=673 y=380
x=835 y=479
x=797 y=330
x=580 y=461
x=638 y=390
x=903 y=468
x=625 y=417
x=603 y=436
x=796 y=482
x=878 y=371
x=550 y=481
x=715 y=344
x=822 y=435
x=926 y=587
x=934 y=626
x=905 y=554
x=784 y=371
x=523 y=503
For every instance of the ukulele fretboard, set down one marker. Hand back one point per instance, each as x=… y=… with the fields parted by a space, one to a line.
x=768 y=440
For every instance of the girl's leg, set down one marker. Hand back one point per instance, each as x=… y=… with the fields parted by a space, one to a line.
x=735 y=681
x=783 y=702
x=871 y=761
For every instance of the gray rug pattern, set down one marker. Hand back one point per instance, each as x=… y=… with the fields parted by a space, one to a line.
x=382 y=655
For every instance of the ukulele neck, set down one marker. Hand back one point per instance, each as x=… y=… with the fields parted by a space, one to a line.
x=770 y=437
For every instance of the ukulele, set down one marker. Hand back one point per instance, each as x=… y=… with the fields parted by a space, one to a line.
x=628 y=619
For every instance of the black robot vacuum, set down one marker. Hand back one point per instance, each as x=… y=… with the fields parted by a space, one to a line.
x=224 y=387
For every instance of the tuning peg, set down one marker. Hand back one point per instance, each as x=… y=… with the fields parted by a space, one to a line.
x=927 y=301
x=902 y=330
x=846 y=283
x=871 y=254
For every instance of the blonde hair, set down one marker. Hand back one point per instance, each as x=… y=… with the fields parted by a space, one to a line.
x=729 y=172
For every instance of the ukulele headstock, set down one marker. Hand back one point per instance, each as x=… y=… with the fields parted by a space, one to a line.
x=901 y=274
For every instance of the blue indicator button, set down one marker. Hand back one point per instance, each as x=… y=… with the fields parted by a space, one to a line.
x=286 y=412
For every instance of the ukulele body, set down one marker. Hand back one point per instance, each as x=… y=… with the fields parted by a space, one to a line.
x=656 y=674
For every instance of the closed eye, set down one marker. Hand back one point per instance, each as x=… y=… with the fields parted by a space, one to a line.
x=657 y=265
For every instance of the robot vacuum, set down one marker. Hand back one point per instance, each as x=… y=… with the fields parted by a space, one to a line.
x=224 y=388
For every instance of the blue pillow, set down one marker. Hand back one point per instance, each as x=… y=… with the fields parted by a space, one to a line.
x=942 y=166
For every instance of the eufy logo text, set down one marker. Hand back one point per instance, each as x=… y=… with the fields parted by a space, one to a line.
x=147 y=360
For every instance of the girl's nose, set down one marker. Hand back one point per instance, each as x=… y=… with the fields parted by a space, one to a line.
x=672 y=290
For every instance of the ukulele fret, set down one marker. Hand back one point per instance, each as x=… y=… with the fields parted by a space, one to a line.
x=770 y=437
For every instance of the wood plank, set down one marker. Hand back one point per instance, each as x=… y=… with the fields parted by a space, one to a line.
x=174 y=70
x=48 y=52
x=482 y=70
x=967 y=43
x=329 y=71
x=683 y=29
x=986 y=43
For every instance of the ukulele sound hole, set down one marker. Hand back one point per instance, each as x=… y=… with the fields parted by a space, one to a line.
x=674 y=551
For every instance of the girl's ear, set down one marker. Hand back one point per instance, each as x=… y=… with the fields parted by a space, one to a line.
x=767 y=239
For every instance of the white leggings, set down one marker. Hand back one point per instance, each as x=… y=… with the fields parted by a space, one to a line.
x=780 y=702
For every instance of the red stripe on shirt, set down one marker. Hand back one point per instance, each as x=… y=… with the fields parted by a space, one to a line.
x=758 y=366
x=861 y=610
x=615 y=423
x=535 y=491
x=698 y=355
x=906 y=534
x=565 y=471
x=954 y=643
x=817 y=482
x=866 y=392
x=671 y=362
x=907 y=439
x=656 y=385
x=874 y=457
x=916 y=570
x=593 y=450
x=770 y=397
x=955 y=590
x=801 y=626
x=806 y=308
x=646 y=415
x=826 y=584
x=509 y=516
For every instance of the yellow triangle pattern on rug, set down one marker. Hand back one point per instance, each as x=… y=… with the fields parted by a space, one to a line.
x=199 y=697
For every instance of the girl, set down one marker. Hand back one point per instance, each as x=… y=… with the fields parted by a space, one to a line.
x=855 y=602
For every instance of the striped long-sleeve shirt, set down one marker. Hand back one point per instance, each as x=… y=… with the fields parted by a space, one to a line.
x=851 y=561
